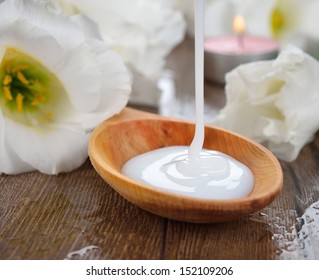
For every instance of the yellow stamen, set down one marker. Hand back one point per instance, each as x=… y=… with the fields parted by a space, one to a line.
x=37 y=100
x=277 y=22
x=22 y=78
x=7 y=93
x=41 y=98
x=50 y=115
x=8 y=66
x=7 y=80
x=20 y=68
x=19 y=100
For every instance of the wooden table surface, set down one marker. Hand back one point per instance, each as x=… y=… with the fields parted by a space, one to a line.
x=78 y=216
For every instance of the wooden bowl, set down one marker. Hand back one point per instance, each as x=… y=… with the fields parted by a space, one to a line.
x=133 y=132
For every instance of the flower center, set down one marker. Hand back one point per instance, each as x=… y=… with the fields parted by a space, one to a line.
x=278 y=22
x=29 y=92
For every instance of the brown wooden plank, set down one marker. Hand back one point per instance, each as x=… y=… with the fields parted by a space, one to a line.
x=242 y=239
x=47 y=217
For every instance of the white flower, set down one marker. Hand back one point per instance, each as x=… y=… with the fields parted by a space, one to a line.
x=58 y=80
x=284 y=19
x=143 y=32
x=274 y=102
x=289 y=21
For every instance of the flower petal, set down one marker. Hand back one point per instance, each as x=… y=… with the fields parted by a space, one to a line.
x=88 y=26
x=80 y=73
x=258 y=17
x=60 y=150
x=116 y=87
x=59 y=26
x=310 y=19
x=143 y=32
x=10 y=162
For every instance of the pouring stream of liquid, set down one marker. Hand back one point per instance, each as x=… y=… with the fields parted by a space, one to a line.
x=197 y=143
x=193 y=171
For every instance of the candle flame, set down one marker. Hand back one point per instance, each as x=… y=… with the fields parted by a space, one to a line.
x=239 y=24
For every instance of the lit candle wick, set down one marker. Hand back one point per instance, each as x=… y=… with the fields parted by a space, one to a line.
x=239 y=28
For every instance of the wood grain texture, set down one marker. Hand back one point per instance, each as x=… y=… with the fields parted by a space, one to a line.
x=47 y=217
x=241 y=239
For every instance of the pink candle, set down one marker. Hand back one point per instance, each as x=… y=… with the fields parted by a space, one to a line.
x=246 y=45
x=224 y=53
